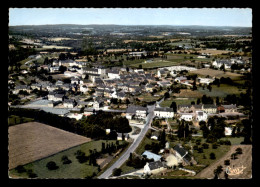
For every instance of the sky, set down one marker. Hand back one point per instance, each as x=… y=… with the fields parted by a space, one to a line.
x=132 y=16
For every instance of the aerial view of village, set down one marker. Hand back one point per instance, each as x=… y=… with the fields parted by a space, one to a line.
x=138 y=93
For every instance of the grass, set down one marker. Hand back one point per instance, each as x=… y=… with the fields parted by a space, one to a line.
x=73 y=170
x=167 y=103
x=156 y=64
x=222 y=91
x=234 y=140
x=146 y=97
x=14 y=120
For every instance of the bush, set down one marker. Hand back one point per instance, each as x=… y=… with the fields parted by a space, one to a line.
x=200 y=150
x=205 y=146
x=20 y=169
x=52 y=165
x=31 y=174
x=227 y=142
x=227 y=162
x=214 y=146
x=239 y=150
x=117 y=172
x=212 y=156
x=234 y=156
x=65 y=160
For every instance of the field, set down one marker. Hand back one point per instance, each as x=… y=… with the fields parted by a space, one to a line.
x=72 y=170
x=32 y=141
x=13 y=120
x=242 y=160
x=54 y=46
x=215 y=52
x=179 y=101
x=59 y=39
x=216 y=73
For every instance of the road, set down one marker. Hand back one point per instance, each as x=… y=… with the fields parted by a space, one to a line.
x=132 y=147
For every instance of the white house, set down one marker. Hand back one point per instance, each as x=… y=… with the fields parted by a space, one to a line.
x=180 y=79
x=201 y=116
x=228 y=131
x=83 y=88
x=205 y=80
x=54 y=69
x=113 y=74
x=187 y=116
x=69 y=103
x=164 y=112
x=139 y=112
x=153 y=167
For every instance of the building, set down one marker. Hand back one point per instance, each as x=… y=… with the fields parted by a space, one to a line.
x=201 y=116
x=182 y=155
x=230 y=108
x=164 y=112
x=151 y=155
x=209 y=109
x=153 y=167
x=155 y=135
x=138 y=112
x=69 y=103
x=205 y=80
x=180 y=79
x=122 y=136
x=187 y=116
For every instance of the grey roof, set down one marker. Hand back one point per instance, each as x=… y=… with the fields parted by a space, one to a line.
x=90 y=69
x=197 y=106
x=22 y=87
x=134 y=108
x=209 y=106
x=69 y=101
x=229 y=106
x=59 y=95
x=155 y=165
x=200 y=113
x=151 y=155
x=121 y=134
x=182 y=152
x=164 y=109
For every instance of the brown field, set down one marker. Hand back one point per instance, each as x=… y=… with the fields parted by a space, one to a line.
x=188 y=93
x=33 y=141
x=215 y=52
x=243 y=160
x=215 y=73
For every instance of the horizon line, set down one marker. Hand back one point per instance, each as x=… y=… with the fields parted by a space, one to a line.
x=126 y=25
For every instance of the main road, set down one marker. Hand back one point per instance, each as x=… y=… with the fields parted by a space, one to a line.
x=132 y=147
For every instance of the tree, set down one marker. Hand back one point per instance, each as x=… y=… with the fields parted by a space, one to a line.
x=117 y=172
x=62 y=69
x=239 y=150
x=226 y=162
x=174 y=106
x=163 y=139
x=140 y=66
x=166 y=95
x=212 y=156
x=20 y=169
x=198 y=101
x=65 y=160
x=52 y=165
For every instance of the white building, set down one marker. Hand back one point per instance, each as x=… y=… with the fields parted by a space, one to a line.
x=187 y=116
x=164 y=112
x=201 y=116
x=228 y=131
x=205 y=80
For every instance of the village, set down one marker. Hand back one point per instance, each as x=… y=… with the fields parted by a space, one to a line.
x=111 y=101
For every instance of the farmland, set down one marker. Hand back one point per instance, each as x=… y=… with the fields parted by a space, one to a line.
x=242 y=160
x=33 y=141
x=72 y=170
x=216 y=73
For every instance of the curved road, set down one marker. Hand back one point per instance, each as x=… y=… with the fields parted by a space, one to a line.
x=132 y=148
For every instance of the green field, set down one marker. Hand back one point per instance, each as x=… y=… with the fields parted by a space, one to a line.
x=14 y=120
x=167 y=103
x=72 y=170
x=221 y=91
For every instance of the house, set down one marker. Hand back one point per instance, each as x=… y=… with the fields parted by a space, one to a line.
x=155 y=135
x=209 y=109
x=113 y=74
x=164 y=83
x=185 y=108
x=149 y=88
x=58 y=97
x=69 y=103
x=136 y=111
x=22 y=88
x=151 y=155
x=162 y=73
x=153 y=167
x=187 y=116
x=121 y=95
x=83 y=88
x=195 y=108
x=164 y=112
x=137 y=54
x=218 y=63
x=36 y=86
x=230 y=108
x=228 y=131
x=201 y=116
x=182 y=154
x=205 y=80
x=54 y=69
x=180 y=79
x=98 y=103
x=122 y=136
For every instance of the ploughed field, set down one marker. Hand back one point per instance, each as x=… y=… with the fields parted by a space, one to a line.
x=33 y=141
